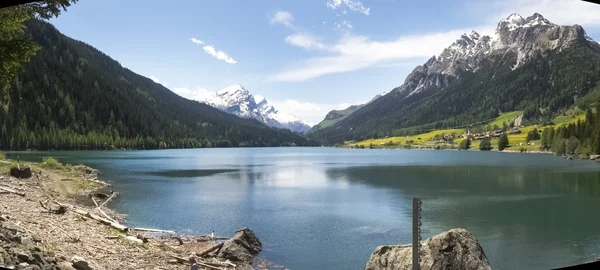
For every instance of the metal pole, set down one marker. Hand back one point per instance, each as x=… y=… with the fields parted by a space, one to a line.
x=416 y=232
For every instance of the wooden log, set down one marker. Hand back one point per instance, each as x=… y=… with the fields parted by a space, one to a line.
x=95 y=217
x=218 y=264
x=178 y=239
x=107 y=216
x=108 y=222
x=187 y=261
x=204 y=253
x=153 y=230
x=108 y=200
x=10 y=190
x=95 y=202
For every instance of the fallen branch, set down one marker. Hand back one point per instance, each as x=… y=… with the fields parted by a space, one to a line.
x=95 y=217
x=103 y=249
x=204 y=253
x=10 y=190
x=153 y=230
x=108 y=200
x=66 y=179
x=187 y=261
x=107 y=216
x=75 y=240
x=95 y=202
x=218 y=264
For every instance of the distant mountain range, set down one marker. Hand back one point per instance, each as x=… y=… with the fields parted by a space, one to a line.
x=336 y=115
x=73 y=96
x=529 y=64
x=235 y=99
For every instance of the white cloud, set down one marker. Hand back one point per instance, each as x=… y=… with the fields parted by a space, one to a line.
x=156 y=80
x=310 y=112
x=354 y=5
x=189 y=93
x=304 y=40
x=283 y=17
x=214 y=52
x=218 y=54
x=359 y=52
x=197 y=41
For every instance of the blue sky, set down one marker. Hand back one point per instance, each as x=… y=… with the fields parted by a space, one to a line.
x=306 y=56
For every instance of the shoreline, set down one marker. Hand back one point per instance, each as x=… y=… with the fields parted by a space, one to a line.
x=60 y=211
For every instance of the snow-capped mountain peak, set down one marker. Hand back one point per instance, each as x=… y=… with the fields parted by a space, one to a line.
x=515 y=21
x=516 y=38
x=236 y=99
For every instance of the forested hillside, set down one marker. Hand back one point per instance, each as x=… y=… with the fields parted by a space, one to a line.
x=480 y=82
x=72 y=96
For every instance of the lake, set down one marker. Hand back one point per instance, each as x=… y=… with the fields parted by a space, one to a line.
x=328 y=208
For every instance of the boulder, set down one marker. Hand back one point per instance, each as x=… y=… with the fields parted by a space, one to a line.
x=80 y=264
x=454 y=249
x=20 y=173
x=242 y=247
x=594 y=157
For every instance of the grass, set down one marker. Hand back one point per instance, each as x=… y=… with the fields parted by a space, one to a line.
x=51 y=162
x=419 y=139
x=506 y=117
x=517 y=141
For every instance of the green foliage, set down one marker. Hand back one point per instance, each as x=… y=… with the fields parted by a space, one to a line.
x=522 y=149
x=2 y=155
x=533 y=135
x=485 y=144
x=73 y=97
x=571 y=145
x=465 y=144
x=503 y=142
x=16 y=47
x=560 y=146
x=51 y=162
x=544 y=86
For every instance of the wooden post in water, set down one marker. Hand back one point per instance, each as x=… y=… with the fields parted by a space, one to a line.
x=416 y=232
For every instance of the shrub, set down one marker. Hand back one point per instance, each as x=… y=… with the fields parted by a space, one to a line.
x=485 y=145
x=522 y=149
x=2 y=155
x=51 y=162
x=503 y=141
x=465 y=144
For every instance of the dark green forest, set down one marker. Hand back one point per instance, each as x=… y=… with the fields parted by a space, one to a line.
x=72 y=96
x=548 y=83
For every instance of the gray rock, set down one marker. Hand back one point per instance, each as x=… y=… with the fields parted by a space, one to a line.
x=65 y=266
x=594 y=157
x=242 y=247
x=38 y=258
x=80 y=264
x=454 y=249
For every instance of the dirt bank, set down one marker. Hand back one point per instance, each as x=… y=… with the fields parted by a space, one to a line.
x=37 y=233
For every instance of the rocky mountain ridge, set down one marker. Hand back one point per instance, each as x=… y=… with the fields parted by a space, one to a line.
x=237 y=100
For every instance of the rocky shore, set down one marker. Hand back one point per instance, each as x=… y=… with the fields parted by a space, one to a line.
x=57 y=219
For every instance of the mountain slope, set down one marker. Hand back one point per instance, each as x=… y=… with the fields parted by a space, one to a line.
x=528 y=63
x=72 y=96
x=335 y=116
x=235 y=99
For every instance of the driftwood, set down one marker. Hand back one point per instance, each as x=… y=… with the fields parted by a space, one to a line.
x=178 y=239
x=204 y=253
x=108 y=200
x=218 y=264
x=10 y=190
x=153 y=230
x=95 y=217
x=66 y=179
x=75 y=240
x=199 y=263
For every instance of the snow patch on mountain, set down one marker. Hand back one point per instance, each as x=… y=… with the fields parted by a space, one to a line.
x=236 y=99
x=515 y=35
